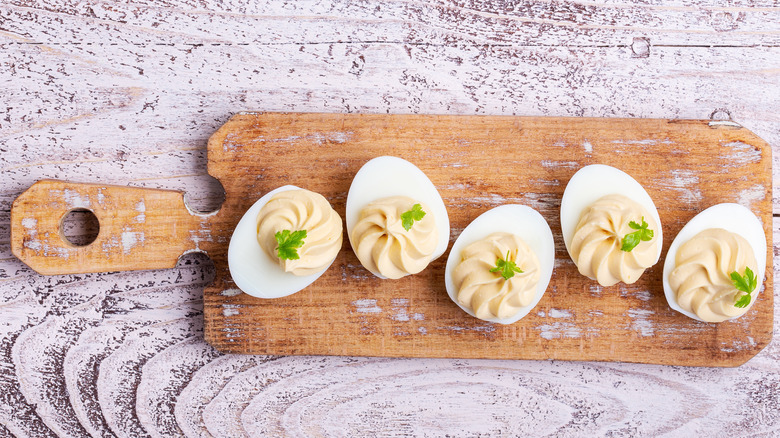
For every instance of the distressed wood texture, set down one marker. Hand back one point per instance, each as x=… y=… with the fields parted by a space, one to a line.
x=138 y=228
x=477 y=162
x=128 y=93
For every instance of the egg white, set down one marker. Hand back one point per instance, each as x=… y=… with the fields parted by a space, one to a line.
x=592 y=182
x=386 y=176
x=253 y=271
x=521 y=220
x=731 y=217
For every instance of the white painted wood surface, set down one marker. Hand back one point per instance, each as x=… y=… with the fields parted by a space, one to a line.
x=128 y=94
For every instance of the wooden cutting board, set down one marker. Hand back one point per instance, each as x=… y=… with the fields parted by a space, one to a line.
x=477 y=163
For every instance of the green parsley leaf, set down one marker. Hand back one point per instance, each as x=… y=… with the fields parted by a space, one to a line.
x=289 y=242
x=746 y=284
x=507 y=268
x=642 y=234
x=415 y=214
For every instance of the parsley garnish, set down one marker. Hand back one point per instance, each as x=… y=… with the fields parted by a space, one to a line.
x=507 y=268
x=631 y=240
x=415 y=214
x=747 y=284
x=289 y=242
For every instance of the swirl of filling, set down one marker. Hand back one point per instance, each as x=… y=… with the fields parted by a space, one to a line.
x=382 y=244
x=596 y=244
x=487 y=293
x=296 y=210
x=701 y=281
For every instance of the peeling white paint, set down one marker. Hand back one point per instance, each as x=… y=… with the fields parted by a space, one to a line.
x=537 y=201
x=634 y=292
x=641 y=321
x=332 y=137
x=738 y=345
x=317 y=137
x=645 y=142
x=479 y=328
x=401 y=317
x=741 y=154
x=561 y=262
x=686 y=183
x=231 y=309
x=233 y=332
x=231 y=292
x=491 y=199
x=74 y=199
x=400 y=309
x=558 y=330
x=140 y=207
x=34 y=245
x=587 y=146
x=30 y=224
x=130 y=239
x=750 y=195
x=553 y=164
x=109 y=245
x=202 y=235
x=545 y=182
x=643 y=295
x=366 y=305
x=559 y=313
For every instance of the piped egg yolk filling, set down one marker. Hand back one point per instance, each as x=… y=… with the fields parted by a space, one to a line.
x=596 y=244
x=296 y=210
x=701 y=279
x=385 y=247
x=484 y=290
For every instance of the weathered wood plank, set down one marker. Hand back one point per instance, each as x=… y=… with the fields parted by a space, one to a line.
x=694 y=165
x=114 y=124
x=527 y=22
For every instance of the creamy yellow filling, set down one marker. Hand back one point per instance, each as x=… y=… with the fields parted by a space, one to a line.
x=596 y=244
x=301 y=210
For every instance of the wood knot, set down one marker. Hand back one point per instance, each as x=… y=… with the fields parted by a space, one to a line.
x=640 y=48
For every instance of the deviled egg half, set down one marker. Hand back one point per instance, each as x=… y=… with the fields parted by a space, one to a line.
x=715 y=266
x=610 y=225
x=396 y=220
x=500 y=265
x=284 y=242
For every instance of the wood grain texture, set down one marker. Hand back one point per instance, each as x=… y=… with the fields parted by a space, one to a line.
x=138 y=228
x=694 y=164
x=128 y=94
x=476 y=163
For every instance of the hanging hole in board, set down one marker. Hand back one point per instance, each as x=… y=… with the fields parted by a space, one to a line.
x=79 y=227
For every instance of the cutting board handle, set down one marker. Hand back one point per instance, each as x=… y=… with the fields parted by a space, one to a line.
x=139 y=228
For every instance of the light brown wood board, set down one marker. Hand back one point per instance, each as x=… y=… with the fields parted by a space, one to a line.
x=477 y=162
